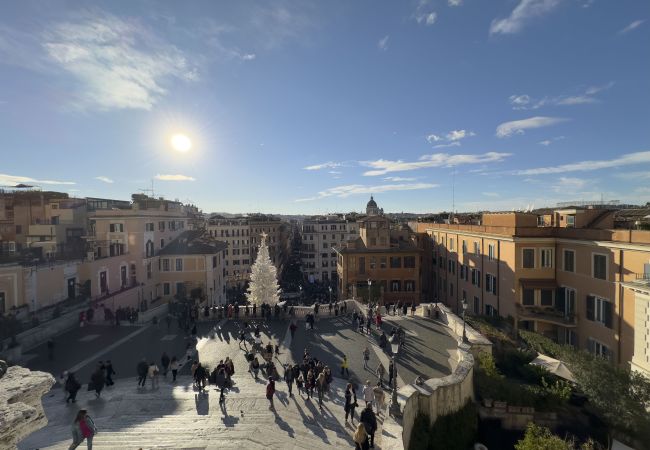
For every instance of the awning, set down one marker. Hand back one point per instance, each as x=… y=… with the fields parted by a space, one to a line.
x=555 y=366
x=538 y=283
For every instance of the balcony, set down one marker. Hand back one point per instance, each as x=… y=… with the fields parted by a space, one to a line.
x=546 y=314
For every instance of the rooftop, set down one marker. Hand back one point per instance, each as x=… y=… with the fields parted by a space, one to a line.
x=193 y=242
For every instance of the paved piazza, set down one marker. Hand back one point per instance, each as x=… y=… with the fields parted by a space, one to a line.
x=176 y=416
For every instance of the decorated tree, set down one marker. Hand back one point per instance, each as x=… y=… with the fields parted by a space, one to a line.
x=263 y=287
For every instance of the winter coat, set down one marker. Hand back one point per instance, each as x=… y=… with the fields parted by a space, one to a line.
x=369 y=419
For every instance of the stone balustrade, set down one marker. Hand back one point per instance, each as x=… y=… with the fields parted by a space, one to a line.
x=21 y=410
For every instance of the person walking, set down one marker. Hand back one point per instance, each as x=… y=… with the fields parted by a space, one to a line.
x=413 y=309
x=350 y=402
x=142 y=370
x=164 y=362
x=72 y=386
x=310 y=384
x=300 y=384
x=380 y=398
x=369 y=420
x=199 y=376
x=82 y=428
x=270 y=391
x=321 y=386
x=292 y=328
x=368 y=324
x=381 y=371
x=391 y=373
x=344 y=366
x=288 y=378
x=108 y=368
x=97 y=380
x=254 y=367
x=405 y=309
x=366 y=357
x=152 y=372
x=173 y=365
x=368 y=393
x=360 y=438
x=220 y=381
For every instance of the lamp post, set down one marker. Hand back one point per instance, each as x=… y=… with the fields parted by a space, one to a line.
x=464 y=309
x=300 y=287
x=330 y=289
x=369 y=295
x=394 y=406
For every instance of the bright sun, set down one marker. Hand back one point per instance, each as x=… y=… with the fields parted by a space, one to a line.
x=181 y=143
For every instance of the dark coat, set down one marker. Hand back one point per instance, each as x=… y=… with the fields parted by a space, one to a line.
x=97 y=379
x=369 y=420
x=143 y=368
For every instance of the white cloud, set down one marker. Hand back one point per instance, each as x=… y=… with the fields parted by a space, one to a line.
x=547 y=142
x=12 y=180
x=335 y=172
x=565 y=184
x=424 y=15
x=526 y=102
x=383 y=166
x=454 y=2
x=354 y=189
x=248 y=56
x=176 y=177
x=431 y=18
x=452 y=138
x=327 y=165
x=119 y=63
x=633 y=26
x=104 y=179
x=491 y=194
x=584 y=166
x=400 y=178
x=383 y=43
x=525 y=11
x=507 y=129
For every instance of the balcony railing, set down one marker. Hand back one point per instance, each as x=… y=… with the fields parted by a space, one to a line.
x=546 y=314
x=643 y=276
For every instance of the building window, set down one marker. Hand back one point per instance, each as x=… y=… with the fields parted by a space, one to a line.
x=373 y=262
x=324 y=244
x=149 y=270
x=373 y=242
x=165 y=265
x=179 y=264
x=599 y=310
x=571 y=221
x=161 y=226
x=162 y=243
x=490 y=310
x=395 y=262
x=464 y=246
x=409 y=286
x=598 y=348
x=382 y=262
x=491 y=283
x=528 y=297
x=362 y=264
x=409 y=262
x=116 y=228
x=491 y=252
x=569 y=261
x=600 y=266
x=395 y=285
x=214 y=262
x=546 y=257
x=477 y=249
x=166 y=289
x=477 y=305
x=149 y=226
x=528 y=258
x=451 y=244
x=546 y=297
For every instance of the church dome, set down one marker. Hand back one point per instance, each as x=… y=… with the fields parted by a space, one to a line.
x=371 y=203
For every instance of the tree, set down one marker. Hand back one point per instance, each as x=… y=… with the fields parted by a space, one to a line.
x=541 y=438
x=263 y=286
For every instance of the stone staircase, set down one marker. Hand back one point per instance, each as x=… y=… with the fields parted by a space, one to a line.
x=178 y=417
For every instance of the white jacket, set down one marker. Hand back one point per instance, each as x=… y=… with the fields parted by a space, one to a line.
x=368 y=393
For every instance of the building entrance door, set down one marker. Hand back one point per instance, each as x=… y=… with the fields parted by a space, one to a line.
x=72 y=291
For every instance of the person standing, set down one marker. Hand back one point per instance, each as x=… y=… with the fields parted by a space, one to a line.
x=72 y=386
x=288 y=378
x=153 y=374
x=380 y=397
x=366 y=357
x=199 y=376
x=292 y=328
x=220 y=381
x=413 y=309
x=405 y=309
x=270 y=391
x=360 y=438
x=310 y=383
x=368 y=393
x=369 y=421
x=173 y=365
x=142 y=370
x=321 y=385
x=350 y=402
x=164 y=362
x=391 y=373
x=344 y=366
x=109 y=373
x=97 y=379
x=381 y=371
x=83 y=427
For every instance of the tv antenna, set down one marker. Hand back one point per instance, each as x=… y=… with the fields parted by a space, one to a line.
x=151 y=191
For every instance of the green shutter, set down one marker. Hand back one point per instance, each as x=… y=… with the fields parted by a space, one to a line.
x=591 y=300
x=608 y=312
x=560 y=299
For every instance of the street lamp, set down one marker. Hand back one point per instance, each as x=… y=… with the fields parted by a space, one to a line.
x=330 y=289
x=369 y=295
x=394 y=406
x=464 y=309
x=300 y=287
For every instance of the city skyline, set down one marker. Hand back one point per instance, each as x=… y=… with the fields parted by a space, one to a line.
x=306 y=108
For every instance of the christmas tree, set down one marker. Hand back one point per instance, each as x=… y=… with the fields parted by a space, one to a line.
x=263 y=287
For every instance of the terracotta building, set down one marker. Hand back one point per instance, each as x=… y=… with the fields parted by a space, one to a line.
x=382 y=264
x=565 y=274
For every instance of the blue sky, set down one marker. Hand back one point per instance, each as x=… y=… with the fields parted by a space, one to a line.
x=308 y=107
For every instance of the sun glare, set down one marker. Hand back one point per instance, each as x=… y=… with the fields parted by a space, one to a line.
x=181 y=143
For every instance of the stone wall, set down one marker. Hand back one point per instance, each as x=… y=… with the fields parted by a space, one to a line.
x=21 y=410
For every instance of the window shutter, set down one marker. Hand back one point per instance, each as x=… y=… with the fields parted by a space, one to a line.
x=487 y=282
x=591 y=300
x=478 y=278
x=494 y=285
x=560 y=299
x=607 y=313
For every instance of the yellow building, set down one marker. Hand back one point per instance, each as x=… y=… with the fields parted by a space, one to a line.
x=558 y=275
